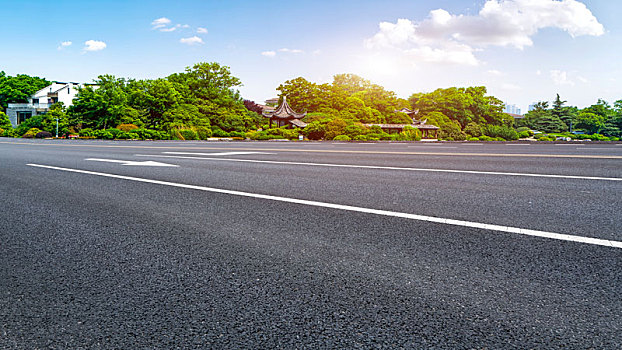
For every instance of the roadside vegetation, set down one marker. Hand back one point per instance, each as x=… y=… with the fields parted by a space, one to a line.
x=203 y=102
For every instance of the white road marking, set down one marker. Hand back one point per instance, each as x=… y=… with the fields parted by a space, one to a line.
x=218 y=153
x=518 y=144
x=591 y=148
x=499 y=228
x=133 y=162
x=472 y=144
x=423 y=146
x=391 y=168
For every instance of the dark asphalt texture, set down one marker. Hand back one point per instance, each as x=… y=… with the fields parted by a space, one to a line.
x=88 y=262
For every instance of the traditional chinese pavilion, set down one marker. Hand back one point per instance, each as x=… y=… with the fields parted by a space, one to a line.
x=427 y=130
x=284 y=115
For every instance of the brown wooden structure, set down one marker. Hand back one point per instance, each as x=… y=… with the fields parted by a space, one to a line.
x=284 y=115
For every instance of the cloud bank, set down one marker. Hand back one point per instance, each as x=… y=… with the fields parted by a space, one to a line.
x=446 y=38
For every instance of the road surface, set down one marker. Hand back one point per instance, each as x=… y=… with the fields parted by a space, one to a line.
x=309 y=245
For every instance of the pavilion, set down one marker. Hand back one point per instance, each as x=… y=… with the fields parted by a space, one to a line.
x=284 y=115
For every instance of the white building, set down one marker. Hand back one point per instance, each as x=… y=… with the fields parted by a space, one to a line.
x=512 y=109
x=40 y=102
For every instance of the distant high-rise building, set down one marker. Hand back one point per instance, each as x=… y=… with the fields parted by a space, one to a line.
x=512 y=109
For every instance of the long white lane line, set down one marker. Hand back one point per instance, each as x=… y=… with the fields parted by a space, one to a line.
x=508 y=229
x=389 y=168
x=219 y=153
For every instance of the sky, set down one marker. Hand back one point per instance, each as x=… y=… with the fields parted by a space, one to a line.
x=523 y=51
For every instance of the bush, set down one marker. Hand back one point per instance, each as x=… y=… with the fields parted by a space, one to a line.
x=9 y=133
x=523 y=134
x=127 y=127
x=86 y=132
x=43 y=135
x=547 y=138
x=217 y=132
x=204 y=133
x=342 y=138
x=31 y=133
x=473 y=129
x=114 y=132
x=485 y=138
x=360 y=138
x=501 y=131
x=188 y=134
x=473 y=139
x=103 y=134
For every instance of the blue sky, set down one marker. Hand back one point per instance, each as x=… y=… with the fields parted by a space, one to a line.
x=522 y=50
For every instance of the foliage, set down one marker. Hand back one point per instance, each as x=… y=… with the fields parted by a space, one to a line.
x=464 y=105
x=591 y=122
x=127 y=127
x=32 y=132
x=501 y=131
x=452 y=132
x=43 y=134
x=342 y=138
x=473 y=129
x=5 y=122
x=19 y=88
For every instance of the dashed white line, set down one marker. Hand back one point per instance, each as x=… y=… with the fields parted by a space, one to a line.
x=499 y=228
x=390 y=168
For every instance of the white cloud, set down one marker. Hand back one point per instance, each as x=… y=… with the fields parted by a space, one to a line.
x=268 y=53
x=94 y=45
x=290 y=50
x=160 y=23
x=498 y=23
x=171 y=29
x=561 y=78
x=584 y=80
x=538 y=72
x=64 y=44
x=201 y=30
x=494 y=72
x=317 y=52
x=194 y=40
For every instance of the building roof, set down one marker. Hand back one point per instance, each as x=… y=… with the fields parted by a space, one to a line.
x=284 y=111
x=516 y=116
x=408 y=111
x=299 y=123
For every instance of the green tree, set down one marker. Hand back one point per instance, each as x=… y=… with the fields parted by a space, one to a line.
x=5 y=122
x=591 y=122
x=19 y=88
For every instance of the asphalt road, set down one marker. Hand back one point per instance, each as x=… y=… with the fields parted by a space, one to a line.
x=309 y=245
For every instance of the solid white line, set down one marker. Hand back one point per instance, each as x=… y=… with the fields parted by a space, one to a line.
x=508 y=229
x=391 y=168
x=218 y=153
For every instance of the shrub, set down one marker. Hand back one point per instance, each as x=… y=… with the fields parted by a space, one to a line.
x=501 y=131
x=485 y=138
x=1 y=131
x=360 y=138
x=473 y=139
x=473 y=129
x=342 y=138
x=103 y=134
x=114 y=132
x=523 y=134
x=31 y=133
x=86 y=132
x=127 y=127
x=217 y=132
x=188 y=134
x=204 y=133
x=547 y=138
x=8 y=133
x=43 y=134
